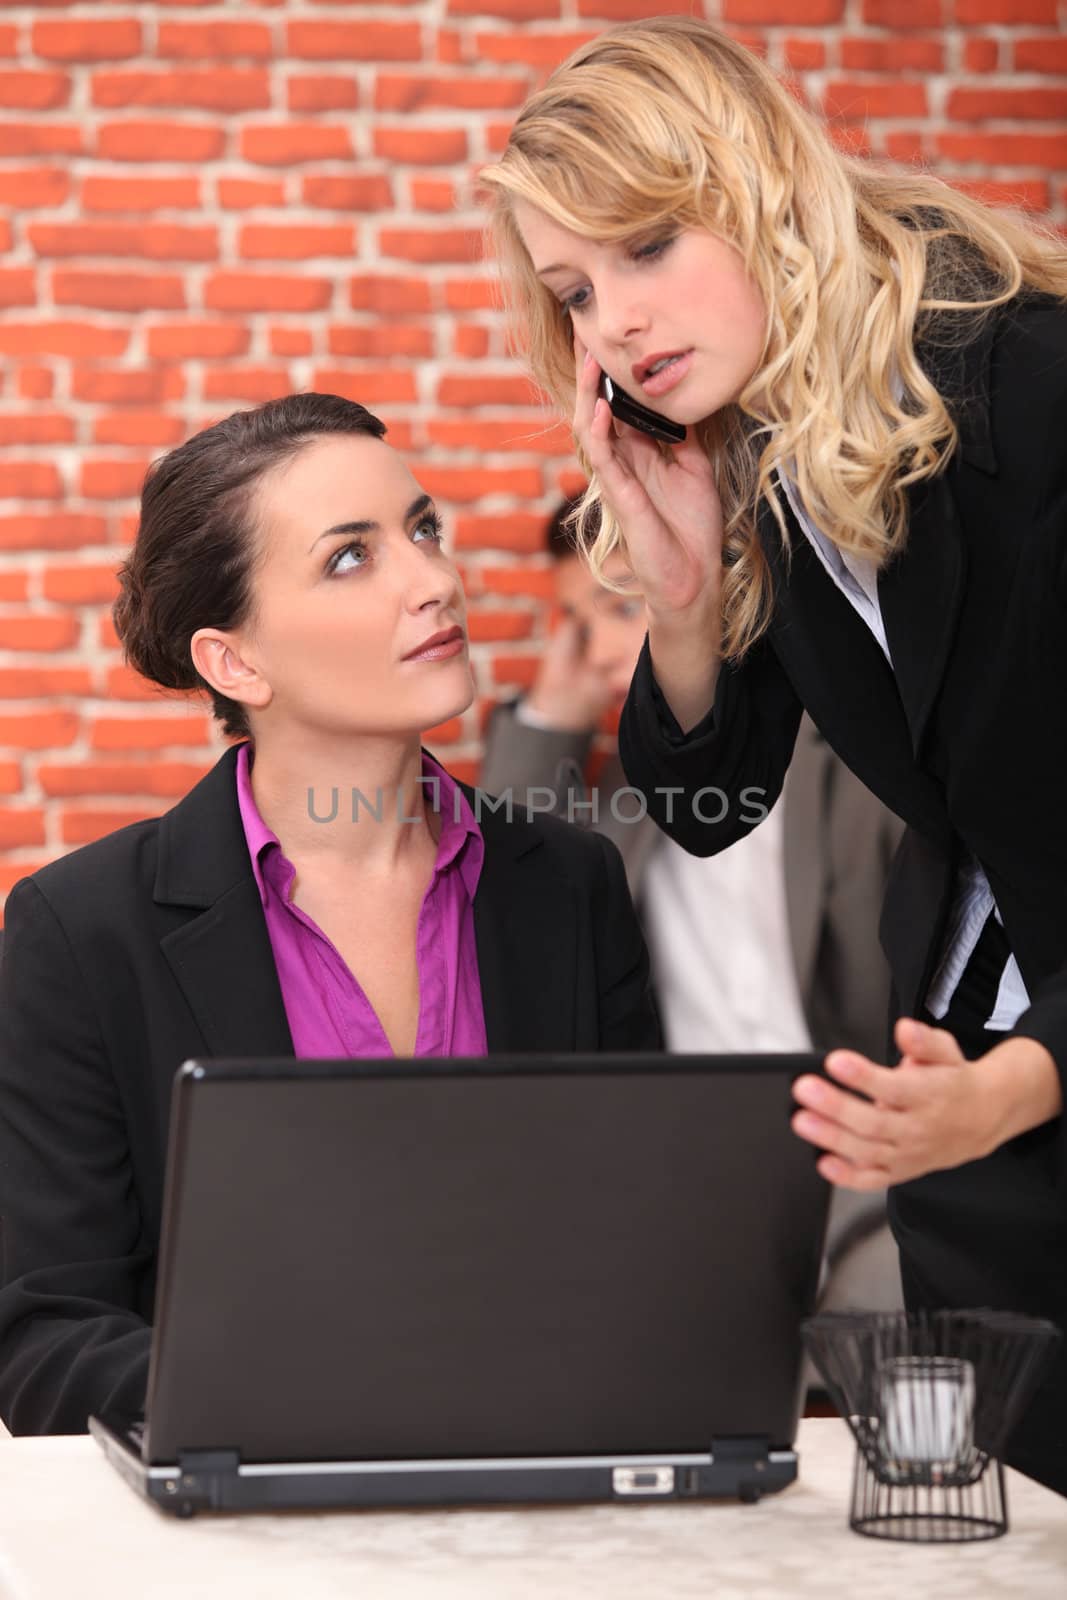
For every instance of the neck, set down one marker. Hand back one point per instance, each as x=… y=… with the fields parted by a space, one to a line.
x=353 y=801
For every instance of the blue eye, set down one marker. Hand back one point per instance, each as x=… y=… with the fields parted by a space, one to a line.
x=650 y=252
x=574 y=302
x=435 y=526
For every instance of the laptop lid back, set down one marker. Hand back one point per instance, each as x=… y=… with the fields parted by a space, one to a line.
x=534 y=1256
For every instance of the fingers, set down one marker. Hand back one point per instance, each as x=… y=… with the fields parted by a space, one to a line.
x=837 y=1140
x=925 y=1044
x=857 y=1073
x=843 y=1175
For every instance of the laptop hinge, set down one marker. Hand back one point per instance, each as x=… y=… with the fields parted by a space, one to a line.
x=195 y=1464
x=749 y=1456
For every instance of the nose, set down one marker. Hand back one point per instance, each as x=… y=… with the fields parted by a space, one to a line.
x=428 y=580
x=620 y=315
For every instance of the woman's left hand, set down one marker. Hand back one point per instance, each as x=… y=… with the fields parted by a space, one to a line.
x=934 y=1110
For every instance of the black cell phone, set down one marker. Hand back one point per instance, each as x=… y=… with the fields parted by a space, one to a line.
x=630 y=411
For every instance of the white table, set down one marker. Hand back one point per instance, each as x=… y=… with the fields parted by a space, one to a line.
x=70 y=1529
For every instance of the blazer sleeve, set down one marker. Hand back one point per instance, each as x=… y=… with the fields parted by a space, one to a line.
x=627 y=1011
x=521 y=757
x=75 y=1268
x=709 y=787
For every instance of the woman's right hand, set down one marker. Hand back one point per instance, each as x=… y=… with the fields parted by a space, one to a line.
x=667 y=508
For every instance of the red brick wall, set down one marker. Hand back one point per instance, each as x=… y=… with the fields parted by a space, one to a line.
x=204 y=204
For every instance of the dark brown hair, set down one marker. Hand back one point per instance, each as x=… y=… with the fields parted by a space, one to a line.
x=191 y=565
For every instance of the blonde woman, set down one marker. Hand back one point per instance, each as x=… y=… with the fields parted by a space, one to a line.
x=868 y=519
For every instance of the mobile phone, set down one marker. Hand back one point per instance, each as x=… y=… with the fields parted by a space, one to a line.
x=630 y=411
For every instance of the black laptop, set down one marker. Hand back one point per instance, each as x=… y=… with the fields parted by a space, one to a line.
x=430 y=1282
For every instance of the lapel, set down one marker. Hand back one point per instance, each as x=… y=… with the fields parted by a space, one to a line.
x=804 y=849
x=221 y=958
x=526 y=934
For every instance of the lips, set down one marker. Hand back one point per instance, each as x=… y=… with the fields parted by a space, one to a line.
x=437 y=642
x=641 y=370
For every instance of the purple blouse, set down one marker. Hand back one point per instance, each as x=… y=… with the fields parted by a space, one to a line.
x=328 y=1013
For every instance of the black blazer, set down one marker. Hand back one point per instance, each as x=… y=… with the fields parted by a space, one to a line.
x=968 y=744
x=127 y=957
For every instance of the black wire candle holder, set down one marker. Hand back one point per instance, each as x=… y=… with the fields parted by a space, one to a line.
x=930 y=1398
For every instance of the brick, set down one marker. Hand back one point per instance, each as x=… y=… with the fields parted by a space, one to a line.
x=112 y=480
x=1005 y=149
x=322 y=93
x=247 y=291
x=83 y=826
x=156 y=241
x=798 y=13
x=37 y=632
x=22 y=139
x=850 y=138
x=76 y=39
x=1020 y=194
x=188 y=340
x=19 y=827
x=1016 y=105
x=402 y=93
x=518 y=530
x=369 y=192
x=167 y=778
x=126 y=683
x=528 y=435
x=289 y=341
x=892 y=55
x=531 y=10
x=906 y=144
x=43 y=683
x=8 y=40
x=382 y=339
x=26 y=187
x=106 y=635
x=543 y=50
x=117 y=386
x=138 y=428
x=370 y=386
x=67 y=530
x=220 y=89
x=436 y=245
x=354 y=41
x=148 y=733
x=11 y=781
x=26 y=90
x=433 y=194
x=486 y=389
x=538 y=583
x=486 y=627
x=448 y=732
x=140 y=194
x=466 y=484
x=424 y=147
x=1042 y=54
x=470 y=341
x=518 y=670
x=374 y=292
x=42 y=427
x=81 y=585
x=30 y=480
x=294 y=242
x=855 y=100
x=118 y=291
x=14 y=585
x=39 y=730
x=241 y=194
x=18 y=286
x=981 y=55
x=473 y=294
x=214 y=41
x=805 y=55
x=295 y=142
x=1006 y=11
x=254 y=384
x=36 y=383
x=160 y=141
x=61 y=339
x=904 y=13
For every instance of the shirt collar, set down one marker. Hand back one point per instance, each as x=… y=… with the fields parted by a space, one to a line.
x=460 y=840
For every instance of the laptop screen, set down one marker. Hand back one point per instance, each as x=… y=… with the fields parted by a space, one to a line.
x=524 y=1256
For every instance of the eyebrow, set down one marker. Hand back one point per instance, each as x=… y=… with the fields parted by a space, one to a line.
x=415 y=509
x=557 y=266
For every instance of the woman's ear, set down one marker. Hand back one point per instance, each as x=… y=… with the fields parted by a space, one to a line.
x=218 y=657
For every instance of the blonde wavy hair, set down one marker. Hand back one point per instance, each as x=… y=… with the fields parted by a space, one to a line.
x=668 y=121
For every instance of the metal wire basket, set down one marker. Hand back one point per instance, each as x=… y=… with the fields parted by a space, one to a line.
x=930 y=1398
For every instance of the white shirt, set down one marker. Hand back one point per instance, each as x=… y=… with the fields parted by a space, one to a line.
x=718 y=936
x=857 y=579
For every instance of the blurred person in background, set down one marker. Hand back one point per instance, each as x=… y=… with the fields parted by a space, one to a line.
x=770 y=946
